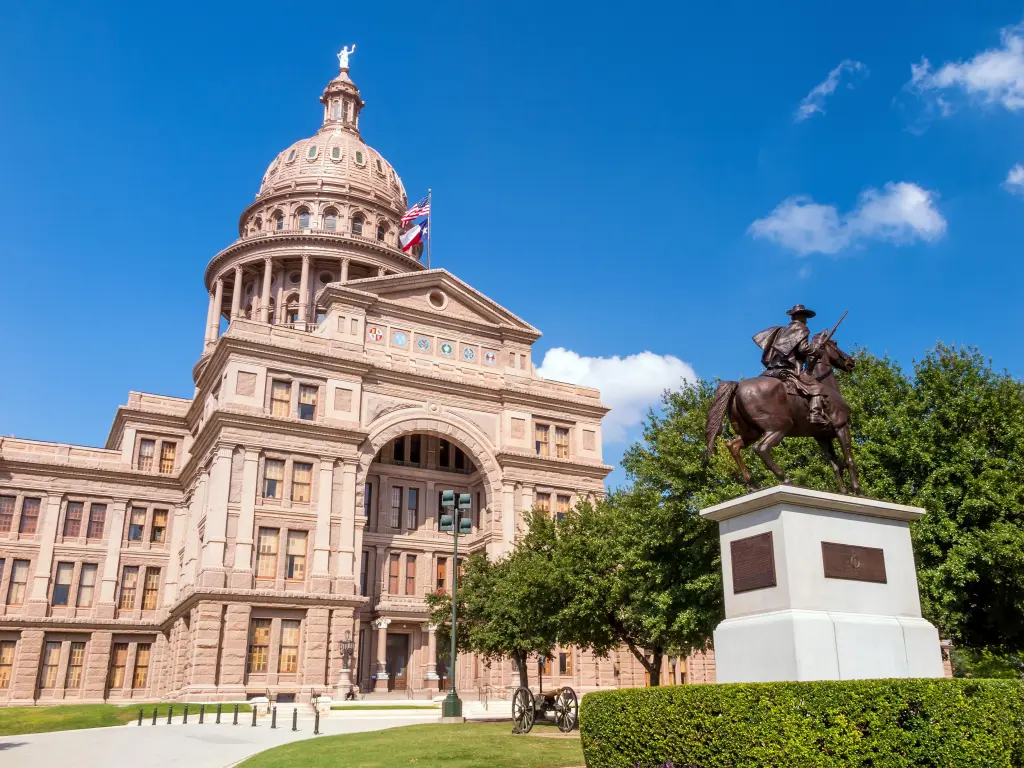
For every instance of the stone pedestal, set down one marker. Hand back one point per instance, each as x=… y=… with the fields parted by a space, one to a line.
x=819 y=586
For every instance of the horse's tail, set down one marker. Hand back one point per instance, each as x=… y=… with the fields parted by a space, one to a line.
x=716 y=414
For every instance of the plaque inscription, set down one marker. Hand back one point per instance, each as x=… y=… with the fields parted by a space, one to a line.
x=753 y=563
x=848 y=561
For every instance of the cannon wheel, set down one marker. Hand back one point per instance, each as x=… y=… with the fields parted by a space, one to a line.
x=567 y=710
x=522 y=711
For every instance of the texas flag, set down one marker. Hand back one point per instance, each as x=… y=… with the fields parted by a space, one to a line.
x=413 y=236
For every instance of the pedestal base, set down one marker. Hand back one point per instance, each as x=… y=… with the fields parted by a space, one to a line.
x=825 y=645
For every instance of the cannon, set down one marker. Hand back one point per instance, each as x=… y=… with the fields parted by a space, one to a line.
x=561 y=705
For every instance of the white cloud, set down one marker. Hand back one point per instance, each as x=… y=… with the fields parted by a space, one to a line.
x=995 y=76
x=900 y=213
x=1015 y=180
x=814 y=102
x=629 y=385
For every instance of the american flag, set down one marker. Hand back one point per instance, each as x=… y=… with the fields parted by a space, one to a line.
x=422 y=208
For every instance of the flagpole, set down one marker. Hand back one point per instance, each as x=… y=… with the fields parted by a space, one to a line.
x=430 y=227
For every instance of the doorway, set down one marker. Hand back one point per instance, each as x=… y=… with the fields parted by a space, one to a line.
x=396 y=660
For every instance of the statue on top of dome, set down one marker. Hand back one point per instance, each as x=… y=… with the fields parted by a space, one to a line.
x=343 y=56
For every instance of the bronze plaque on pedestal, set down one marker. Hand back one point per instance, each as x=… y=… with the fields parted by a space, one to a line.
x=753 y=562
x=848 y=561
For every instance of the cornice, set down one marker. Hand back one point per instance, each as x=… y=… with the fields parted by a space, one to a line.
x=78 y=624
x=262 y=598
x=149 y=418
x=121 y=474
x=508 y=459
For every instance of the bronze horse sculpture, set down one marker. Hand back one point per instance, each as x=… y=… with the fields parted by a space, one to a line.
x=764 y=410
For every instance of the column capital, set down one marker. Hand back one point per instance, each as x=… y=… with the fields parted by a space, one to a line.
x=305 y=258
x=381 y=624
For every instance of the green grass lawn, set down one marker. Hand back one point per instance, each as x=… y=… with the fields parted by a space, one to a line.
x=470 y=745
x=17 y=720
x=357 y=707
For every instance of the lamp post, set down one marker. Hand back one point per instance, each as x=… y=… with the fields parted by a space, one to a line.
x=456 y=522
x=346 y=645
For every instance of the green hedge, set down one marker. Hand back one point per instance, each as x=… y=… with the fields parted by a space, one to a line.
x=833 y=724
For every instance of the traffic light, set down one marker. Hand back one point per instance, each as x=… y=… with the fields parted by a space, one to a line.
x=447 y=508
x=465 y=519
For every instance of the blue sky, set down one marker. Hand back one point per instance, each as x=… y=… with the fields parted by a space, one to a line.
x=630 y=179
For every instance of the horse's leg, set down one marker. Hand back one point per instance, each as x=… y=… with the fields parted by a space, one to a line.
x=844 y=440
x=763 y=448
x=735 y=445
x=830 y=453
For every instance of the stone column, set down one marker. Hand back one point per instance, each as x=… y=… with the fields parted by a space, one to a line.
x=236 y=295
x=26 y=667
x=430 y=507
x=212 y=572
x=320 y=576
x=383 y=503
x=347 y=551
x=38 y=599
x=233 y=648
x=304 y=290
x=314 y=662
x=218 y=302
x=268 y=268
x=115 y=530
x=206 y=652
x=97 y=663
x=177 y=519
x=344 y=270
x=242 y=576
x=381 y=625
x=209 y=319
x=431 y=673
x=508 y=516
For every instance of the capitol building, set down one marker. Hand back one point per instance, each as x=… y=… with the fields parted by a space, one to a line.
x=226 y=545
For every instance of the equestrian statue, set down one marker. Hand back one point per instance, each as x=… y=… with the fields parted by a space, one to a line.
x=796 y=396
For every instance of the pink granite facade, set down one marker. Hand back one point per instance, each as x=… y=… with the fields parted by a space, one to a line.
x=223 y=546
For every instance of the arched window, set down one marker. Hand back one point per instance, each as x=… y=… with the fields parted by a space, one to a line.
x=380 y=232
x=278 y=220
x=337 y=110
x=258 y=224
x=303 y=219
x=291 y=312
x=331 y=220
x=357 y=225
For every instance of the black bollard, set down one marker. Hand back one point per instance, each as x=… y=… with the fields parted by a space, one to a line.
x=235 y=721
x=295 y=719
x=170 y=711
x=184 y=719
x=202 y=713
x=154 y=715
x=218 y=714
x=140 y=717
x=254 y=707
x=273 y=718
x=316 y=722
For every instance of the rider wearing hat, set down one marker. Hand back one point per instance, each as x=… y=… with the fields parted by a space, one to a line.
x=786 y=350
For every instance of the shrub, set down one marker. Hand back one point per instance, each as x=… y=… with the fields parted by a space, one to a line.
x=827 y=724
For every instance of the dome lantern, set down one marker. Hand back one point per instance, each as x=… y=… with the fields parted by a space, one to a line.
x=340 y=98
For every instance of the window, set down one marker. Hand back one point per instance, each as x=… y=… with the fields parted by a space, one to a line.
x=540 y=437
x=118 y=665
x=396 y=506
x=304 y=215
x=543 y=502
x=19 y=578
x=6 y=662
x=357 y=225
x=129 y=585
x=97 y=516
x=273 y=478
x=73 y=520
x=29 y=516
x=141 y=675
x=280 y=398
x=398 y=450
x=565 y=663
x=86 y=584
x=561 y=443
x=167 y=451
x=393 y=567
x=62 y=584
x=136 y=524
x=335 y=153
x=410 y=574
x=380 y=232
x=367 y=499
x=444 y=452
x=288 y=661
x=562 y=506
x=414 y=450
x=364 y=566
x=151 y=589
x=331 y=219
x=147 y=449
x=259 y=645
x=460 y=459
x=336 y=110
x=291 y=156
x=6 y=513
x=51 y=660
x=360 y=160
x=307 y=402
x=76 y=662
x=311 y=153
x=442 y=573
x=302 y=475
x=414 y=508
x=295 y=563
x=278 y=221
x=266 y=553
x=476 y=511
x=159 y=532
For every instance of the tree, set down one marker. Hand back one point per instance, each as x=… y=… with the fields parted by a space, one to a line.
x=507 y=608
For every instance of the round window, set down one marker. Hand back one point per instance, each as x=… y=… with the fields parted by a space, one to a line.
x=325 y=277
x=294 y=277
x=437 y=300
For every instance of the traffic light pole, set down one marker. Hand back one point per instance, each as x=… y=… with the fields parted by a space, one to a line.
x=453 y=520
